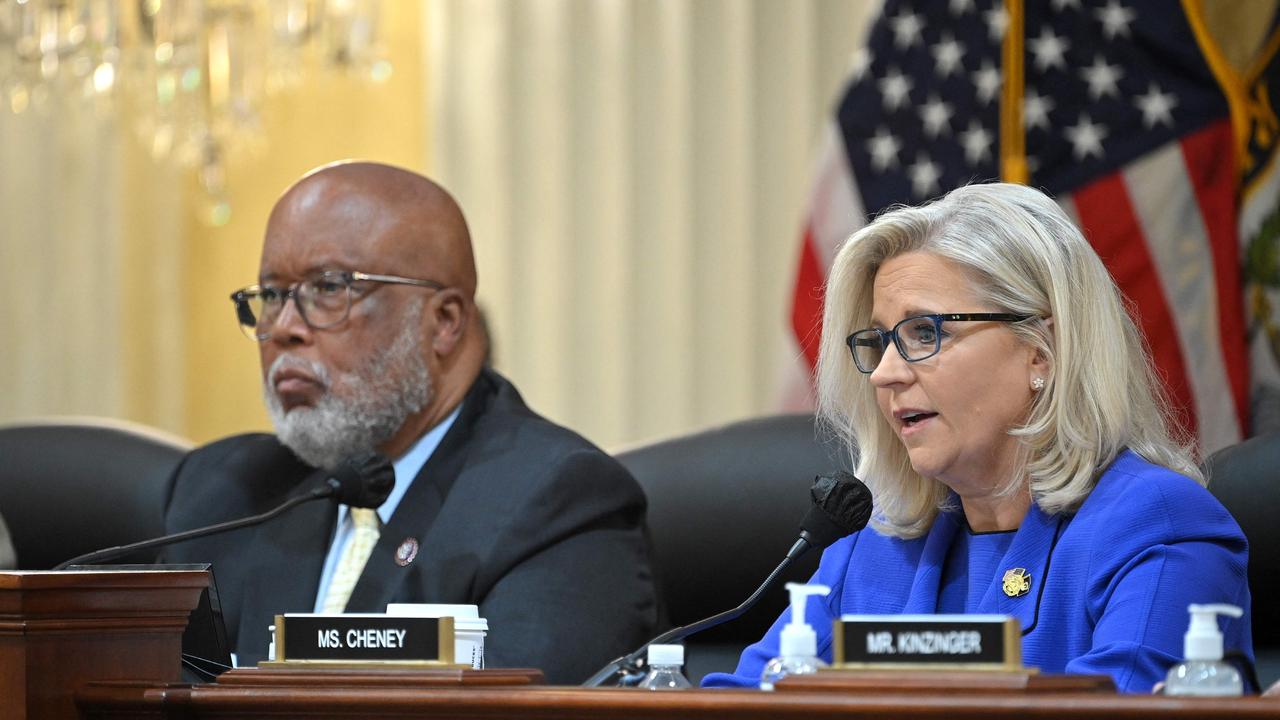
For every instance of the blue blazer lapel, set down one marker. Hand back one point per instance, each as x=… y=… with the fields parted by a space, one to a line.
x=1031 y=550
x=889 y=576
x=928 y=578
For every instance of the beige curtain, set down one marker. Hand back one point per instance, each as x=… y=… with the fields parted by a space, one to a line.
x=78 y=308
x=113 y=287
x=635 y=175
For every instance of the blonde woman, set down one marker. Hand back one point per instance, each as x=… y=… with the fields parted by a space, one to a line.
x=979 y=364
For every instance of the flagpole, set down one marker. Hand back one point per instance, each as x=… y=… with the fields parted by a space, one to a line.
x=1013 y=146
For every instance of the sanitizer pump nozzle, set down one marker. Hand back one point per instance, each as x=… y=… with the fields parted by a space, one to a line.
x=1203 y=672
x=798 y=643
x=798 y=638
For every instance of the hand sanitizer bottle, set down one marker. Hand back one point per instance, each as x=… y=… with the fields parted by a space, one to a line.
x=1203 y=672
x=798 y=645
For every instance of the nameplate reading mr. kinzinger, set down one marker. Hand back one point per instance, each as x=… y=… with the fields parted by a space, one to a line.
x=356 y=638
x=954 y=641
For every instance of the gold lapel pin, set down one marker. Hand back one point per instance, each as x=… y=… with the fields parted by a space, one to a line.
x=1017 y=582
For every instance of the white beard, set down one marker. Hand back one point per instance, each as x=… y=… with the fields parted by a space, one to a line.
x=359 y=410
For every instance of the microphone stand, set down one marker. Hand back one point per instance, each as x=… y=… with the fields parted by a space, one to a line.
x=628 y=669
x=119 y=550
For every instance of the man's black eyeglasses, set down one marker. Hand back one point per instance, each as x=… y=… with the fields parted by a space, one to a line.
x=323 y=301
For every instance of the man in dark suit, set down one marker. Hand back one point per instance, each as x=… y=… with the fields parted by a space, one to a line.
x=369 y=337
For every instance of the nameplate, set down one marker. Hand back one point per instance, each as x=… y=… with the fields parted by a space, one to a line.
x=363 y=638
x=925 y=641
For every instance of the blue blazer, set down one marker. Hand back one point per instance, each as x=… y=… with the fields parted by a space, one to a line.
x=1110 y=584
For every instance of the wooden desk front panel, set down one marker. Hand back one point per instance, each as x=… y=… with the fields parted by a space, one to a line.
x=100 y=701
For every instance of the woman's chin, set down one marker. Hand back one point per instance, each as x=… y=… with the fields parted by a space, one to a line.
x=924 y=465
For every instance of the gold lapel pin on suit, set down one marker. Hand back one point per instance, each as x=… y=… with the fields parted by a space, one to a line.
x=1017 y=582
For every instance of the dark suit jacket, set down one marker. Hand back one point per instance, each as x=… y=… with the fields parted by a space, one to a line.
x=513 y=513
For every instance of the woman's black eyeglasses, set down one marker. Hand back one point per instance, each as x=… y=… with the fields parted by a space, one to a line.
x=917 y=338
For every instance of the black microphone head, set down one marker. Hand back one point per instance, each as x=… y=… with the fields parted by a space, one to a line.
x=363 y=481
x=841 y=506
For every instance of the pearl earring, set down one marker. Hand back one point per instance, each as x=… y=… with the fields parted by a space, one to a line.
x=1037 y=384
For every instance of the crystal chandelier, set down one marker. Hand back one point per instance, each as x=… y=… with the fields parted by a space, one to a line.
x=193 y=72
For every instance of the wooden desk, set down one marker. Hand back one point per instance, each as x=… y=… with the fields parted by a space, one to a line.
x=241 y=694
x=105 y=644
x=59 y=629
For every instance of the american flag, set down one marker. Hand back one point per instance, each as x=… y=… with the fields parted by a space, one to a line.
x=1125 y=125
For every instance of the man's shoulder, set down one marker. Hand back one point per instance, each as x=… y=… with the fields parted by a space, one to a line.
x=509 y=438
x=236 y=474
x=245 y=454
x=241 y=446
x=507 y=421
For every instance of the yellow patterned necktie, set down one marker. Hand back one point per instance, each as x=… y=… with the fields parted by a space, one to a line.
x=364 y=535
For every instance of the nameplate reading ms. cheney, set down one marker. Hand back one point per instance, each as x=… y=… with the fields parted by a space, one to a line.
x=356 y=638
x=920 y=641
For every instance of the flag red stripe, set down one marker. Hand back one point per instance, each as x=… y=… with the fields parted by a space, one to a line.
x=1209 y=154
x=806 y=305
x=1107 y=216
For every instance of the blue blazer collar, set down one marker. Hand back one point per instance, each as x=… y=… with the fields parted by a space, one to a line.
x=1031 y=550
x=923 y=599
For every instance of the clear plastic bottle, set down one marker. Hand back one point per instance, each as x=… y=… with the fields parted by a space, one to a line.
x=784 y=666
x=665 y=672
x=1203 y=672
x=798 y=644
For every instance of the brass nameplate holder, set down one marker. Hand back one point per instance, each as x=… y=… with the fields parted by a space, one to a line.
x=948 y=642
x=362 y=640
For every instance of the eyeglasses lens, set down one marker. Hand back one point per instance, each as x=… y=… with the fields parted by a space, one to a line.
x=323 y=302
x=868 y=349
x=918 y=337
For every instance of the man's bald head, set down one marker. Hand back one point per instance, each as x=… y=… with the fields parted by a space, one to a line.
x=398 y=334
x=412 y=221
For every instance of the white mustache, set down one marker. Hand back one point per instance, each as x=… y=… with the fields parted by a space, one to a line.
x=292 y=362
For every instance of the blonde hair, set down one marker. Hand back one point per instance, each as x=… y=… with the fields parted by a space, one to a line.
x=1025 y=257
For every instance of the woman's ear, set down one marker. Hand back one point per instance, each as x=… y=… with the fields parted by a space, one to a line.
x=1041 y=363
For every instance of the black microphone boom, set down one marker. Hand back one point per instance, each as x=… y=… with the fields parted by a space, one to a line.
x=841 y=506
x=364 y=481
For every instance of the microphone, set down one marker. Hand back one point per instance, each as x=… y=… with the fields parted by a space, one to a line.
x=363 y=481
x=841 y=506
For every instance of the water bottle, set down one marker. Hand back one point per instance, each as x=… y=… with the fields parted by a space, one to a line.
x=664 y=669
x=1203 y=672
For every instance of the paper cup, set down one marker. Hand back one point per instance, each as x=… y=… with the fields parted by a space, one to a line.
x=469 y=629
